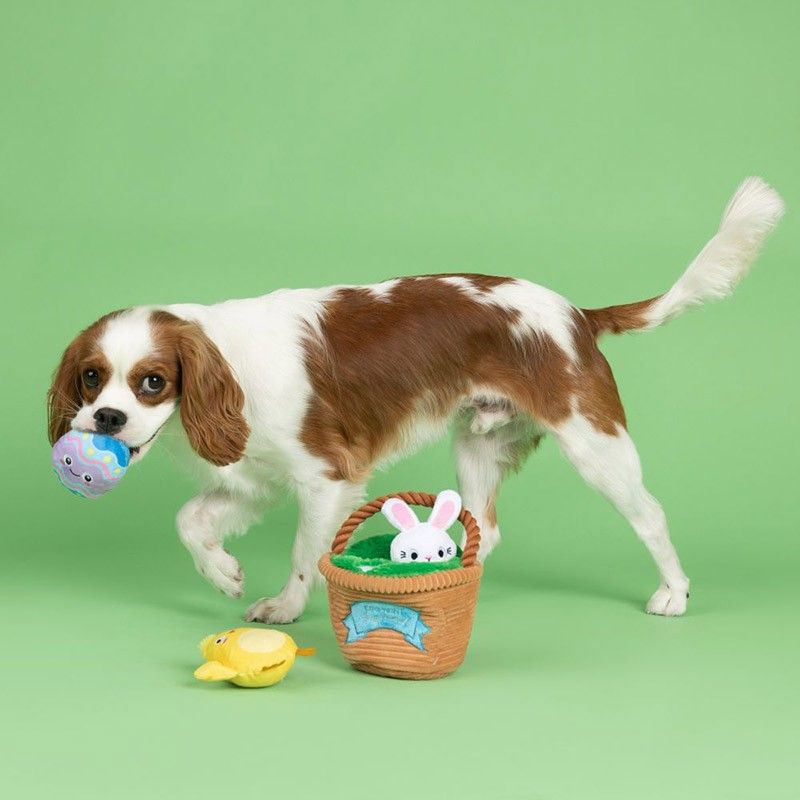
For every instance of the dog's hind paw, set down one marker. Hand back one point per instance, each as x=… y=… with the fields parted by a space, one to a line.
x=667 y=602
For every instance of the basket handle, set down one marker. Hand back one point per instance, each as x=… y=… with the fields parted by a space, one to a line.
x=468 y=556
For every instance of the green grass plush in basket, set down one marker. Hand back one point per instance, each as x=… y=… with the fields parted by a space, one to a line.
x=419 y=547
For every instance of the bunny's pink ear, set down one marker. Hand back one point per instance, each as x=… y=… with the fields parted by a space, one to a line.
x=399 y=514
x=445 y=510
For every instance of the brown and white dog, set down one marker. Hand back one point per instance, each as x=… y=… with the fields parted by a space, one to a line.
x=311 y=389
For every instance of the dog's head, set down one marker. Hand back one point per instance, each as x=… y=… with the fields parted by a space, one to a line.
x=126 y=374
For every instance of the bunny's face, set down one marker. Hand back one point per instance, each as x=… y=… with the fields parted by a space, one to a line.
x=423 y=541
x=423 y=544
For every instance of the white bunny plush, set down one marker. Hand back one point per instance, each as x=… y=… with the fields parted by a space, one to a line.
x=423 y=541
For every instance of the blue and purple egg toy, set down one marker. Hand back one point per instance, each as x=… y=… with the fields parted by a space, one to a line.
x=90 y=464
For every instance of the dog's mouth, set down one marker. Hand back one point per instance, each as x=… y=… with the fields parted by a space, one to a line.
x=136 y=449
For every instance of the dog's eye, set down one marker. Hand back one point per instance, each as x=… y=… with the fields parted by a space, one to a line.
x=87 y=478
x=91 y=378
x=68 y=461
x=153 y=384
x=414 y=555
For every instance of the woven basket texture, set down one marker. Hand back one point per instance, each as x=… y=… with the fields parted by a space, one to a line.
x=444 y=601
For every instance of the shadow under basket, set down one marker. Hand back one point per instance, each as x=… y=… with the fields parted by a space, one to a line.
x=415 y=627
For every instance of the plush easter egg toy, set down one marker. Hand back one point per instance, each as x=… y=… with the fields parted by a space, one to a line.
x=89 y=464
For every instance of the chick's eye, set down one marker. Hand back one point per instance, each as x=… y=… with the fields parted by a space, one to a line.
x=221 y=640
x=91 y=378
x=67 y=460
x=153 y=384
x=87 y=477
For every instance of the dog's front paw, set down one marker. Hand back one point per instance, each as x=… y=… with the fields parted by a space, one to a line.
x=222 y=570
x=667 y=602
x=273 y=611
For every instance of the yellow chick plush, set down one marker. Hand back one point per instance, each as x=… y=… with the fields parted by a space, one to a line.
x=250 y=657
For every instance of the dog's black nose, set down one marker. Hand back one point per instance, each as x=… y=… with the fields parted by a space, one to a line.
x=109 y=420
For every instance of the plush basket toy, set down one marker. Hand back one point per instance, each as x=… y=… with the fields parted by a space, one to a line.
x=414 y=626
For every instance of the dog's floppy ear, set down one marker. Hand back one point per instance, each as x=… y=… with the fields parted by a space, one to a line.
x=64 y=395
x=211 y=399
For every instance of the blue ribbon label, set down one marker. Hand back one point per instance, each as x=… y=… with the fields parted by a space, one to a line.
x=369 y=616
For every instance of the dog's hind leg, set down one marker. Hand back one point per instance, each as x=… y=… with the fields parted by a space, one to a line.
x=482 y=461
x=610 y=463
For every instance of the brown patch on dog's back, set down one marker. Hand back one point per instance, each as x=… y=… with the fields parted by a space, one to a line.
x=424 y=346
x=483 y=283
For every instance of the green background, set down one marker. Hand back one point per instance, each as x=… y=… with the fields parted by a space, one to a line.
x=158 y=152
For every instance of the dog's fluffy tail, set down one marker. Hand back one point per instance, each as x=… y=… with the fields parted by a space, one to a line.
x=753 y=211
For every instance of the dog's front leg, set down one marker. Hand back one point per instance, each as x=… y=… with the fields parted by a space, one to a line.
x=324 y=505
x=204 y=522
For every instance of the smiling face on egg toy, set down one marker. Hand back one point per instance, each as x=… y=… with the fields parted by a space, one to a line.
x=89 y=464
